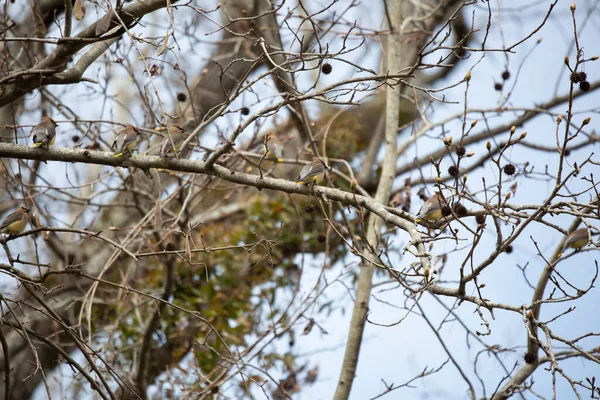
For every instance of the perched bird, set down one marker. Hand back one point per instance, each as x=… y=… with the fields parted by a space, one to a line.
x=173 y=140
x=431 y=210
x=44 y=133
x=125 y=141
x=312 y=173
x=15 y=222
x=576 y=240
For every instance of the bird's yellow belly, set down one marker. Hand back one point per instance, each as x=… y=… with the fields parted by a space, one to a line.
x=16 y=227
x=578 y=243
x=433 y=216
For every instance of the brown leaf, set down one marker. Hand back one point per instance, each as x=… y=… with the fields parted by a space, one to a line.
x=103 y=24
x=311 y=375
x=163 y=47
x=308 y=327
x=40 y=27
x=188 y=250
x=79 y=10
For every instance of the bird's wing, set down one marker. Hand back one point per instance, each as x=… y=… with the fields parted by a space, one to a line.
x=12 y=218
x=40 y=133
x=115 y=144
x=305 y=172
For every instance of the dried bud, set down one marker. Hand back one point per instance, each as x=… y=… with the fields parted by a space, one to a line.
x=498 y=86
x=505 y=75
x=566 y=61
x=488 y=145
x=468 y=76
x=431 y=159
x=509 y=169
x=245 y=111
x=585 y=121
x=461 y=151
x=473 y=124
x=513 y=129
x=445 y=141
x=523 y=136
x=559 y=119
x=464 y=178
x=480 y=219
x=438 y=179
x=450 y=139
x=594 y=58
x=326 y=68
x=453 y=170
x=471 y=154
x=353 y=184
x=508 y=195
x=509 y=249
x=573 y=7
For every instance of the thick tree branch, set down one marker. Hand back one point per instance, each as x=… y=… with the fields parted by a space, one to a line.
x=384 y=188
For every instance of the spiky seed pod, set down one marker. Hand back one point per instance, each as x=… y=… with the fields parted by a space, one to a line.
x=309 y=208
x=529 y=358
x=460 y=210
x=453 y=170
x=446 y=211
x=584 y=86
x=509 y=169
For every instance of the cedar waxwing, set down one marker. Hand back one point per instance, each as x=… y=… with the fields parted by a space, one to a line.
x=125 y=141
x=431 y=210
x=15 y=222
x=576 y=240
x=171 y=144
x=312 y=173
x=44 y=133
